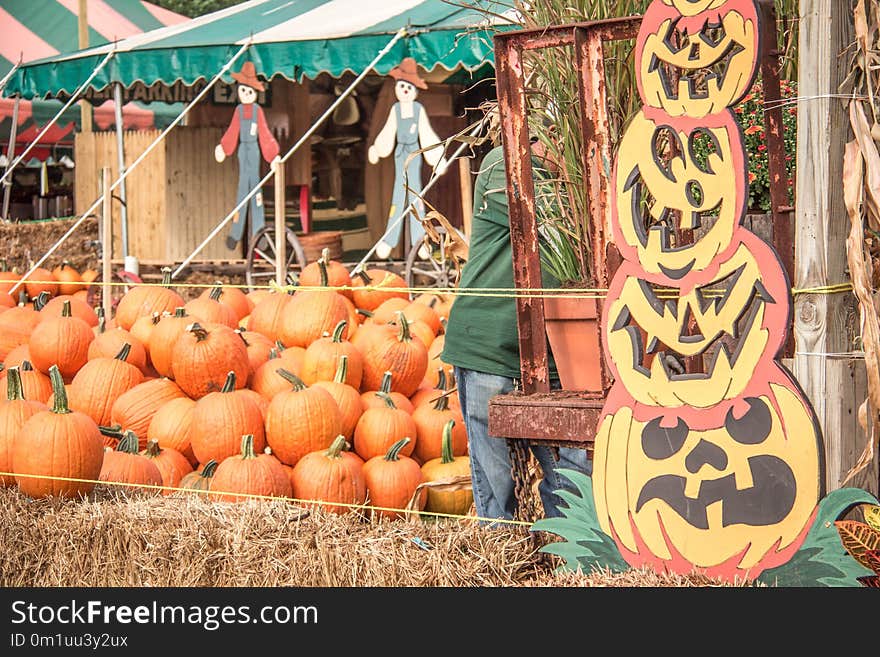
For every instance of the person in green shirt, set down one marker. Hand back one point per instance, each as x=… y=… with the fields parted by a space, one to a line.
x=482 y=345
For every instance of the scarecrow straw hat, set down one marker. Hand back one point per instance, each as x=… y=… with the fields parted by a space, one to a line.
x=248 y=76
x=408 y=70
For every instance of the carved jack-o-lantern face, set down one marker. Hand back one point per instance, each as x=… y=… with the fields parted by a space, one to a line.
x=731 y=499
x=698 y=346
x=676 y=188
x=697 y=65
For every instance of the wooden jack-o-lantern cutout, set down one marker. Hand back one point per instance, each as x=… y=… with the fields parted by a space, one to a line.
x=697 y=65
x=701 y=345
x=675 y=188
x=693 y=7
x=731 y=498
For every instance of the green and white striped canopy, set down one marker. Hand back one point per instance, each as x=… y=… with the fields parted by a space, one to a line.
x=291 y=38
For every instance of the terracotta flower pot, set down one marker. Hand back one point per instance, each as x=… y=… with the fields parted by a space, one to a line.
x=574 y=334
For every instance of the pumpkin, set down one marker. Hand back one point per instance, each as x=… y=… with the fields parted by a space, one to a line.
x=399 y=353
x=347 y=398
x=440 y=302
x=728 y=491
x=203 y=357
x=387 y=310
x=430 y=421
x=9 y=278
x=17 y=356
x=128 y=470
x=171 y=424
x=233 y=297
x=448 y=467
x=34 y=383
x=265 y=317
x=321 y=359
x=41 y=280
x=428 y=394
x=15 y=410
x=6 y=301
x=165 y=335
x=69 y=279
x=392 y=480
x=172 y=465
x=100 y=382
x=220 y=419
x=424 y=312
x=418 y=329
x=380 y=427
x=372 y=398
x=372 y=287
x=261 y=402
x=143 y=328
x=144 y=300
x=63 y=341
x=301 y=420
x=334 y=274
x=309 y=314
x=435 y=363
x=78 y=308
x=135 y=408
x=57 y=442
x=250 y=474
x=265 y=380
x=16 y=325
x=108 y=343
x=209 y=309
x=258 y=348
x=255 y=296
x=199 y=480
x=330 y=476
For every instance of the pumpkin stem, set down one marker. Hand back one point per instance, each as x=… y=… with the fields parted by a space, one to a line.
x=280 y=346
x=198 y=330
x=403 y=334
x=26 y=366
x=341 y=369
x=385 y=397
x=111 y=432
x=102 y=319
x=394 y=451
x=446 y=455
x=364 y=312
x=247 y=446
x=59 y=394
x=336 y=447
x=292 y=378
x=217 y=291
x=442 y=403
x=240 y=332
x=124 y=352
x=385 y=386
x=433 y=302
x=41 y=300
x=209 y=469
x=152 y=450
x=364 y=276
x=274 y=353
x=166 y=277
x=180 y=311
x=337 y=332
x=128 y=443
x=155 y=317
x=229 y=385
x=441 y=379
x=13 y=384
x=22 y=299
x=322 y=267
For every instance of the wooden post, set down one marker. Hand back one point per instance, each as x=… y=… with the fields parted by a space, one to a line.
x=280 y=227
x=467 y=194
x=106 y=243
x=825 y=323
x=85 y=107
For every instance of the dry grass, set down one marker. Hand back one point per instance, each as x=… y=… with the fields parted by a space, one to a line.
x=183 y=540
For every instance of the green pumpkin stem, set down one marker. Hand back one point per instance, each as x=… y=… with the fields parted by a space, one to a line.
x=240 y=332
x=393 y=453
x=229 y=385
x=364 y=312
x=180 y=311
x=403 y=334
x=322 y=267
x=209 y=469
x=446 y=455
x=292 y=378
x=216 y=292
x=247 y=446
x=128 y=443
x=364 y=276
x=198 y=330
x=124 y=352
x=102 y=319
x=111 y=432
x=280 y=346
x=14 y=389
x=23 y=298
x=442 y=403
x=341 y=369
x=385 y=397
x=26 y=366
x=166 y=277
x=385 y=385
x=41 y=300
x=337 y=332
x=441 y=379
x=59 y=394
x=336 y=447
x=274 y=353
x=152 y=450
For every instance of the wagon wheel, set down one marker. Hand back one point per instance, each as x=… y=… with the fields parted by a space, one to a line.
x=441 y=270
x=261 y=258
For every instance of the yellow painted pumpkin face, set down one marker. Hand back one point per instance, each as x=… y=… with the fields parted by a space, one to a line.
x=693 y=7
x=735 y=497
x=697 y=66
x=675 y=188
x=730 y=327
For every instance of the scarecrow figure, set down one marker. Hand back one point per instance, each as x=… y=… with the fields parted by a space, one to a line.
x=249 y=133
x=410 y=129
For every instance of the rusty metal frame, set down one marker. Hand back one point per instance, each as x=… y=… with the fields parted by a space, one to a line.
x=535 y=400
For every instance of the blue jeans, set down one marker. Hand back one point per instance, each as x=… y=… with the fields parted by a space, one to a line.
x=491 y=478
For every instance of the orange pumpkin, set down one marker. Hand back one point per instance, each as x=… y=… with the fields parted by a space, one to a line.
x=6 y=301
x=220 y=419
x=100 y=382
x=203 y=356
x=41 y=280
x=9 y=278
x=134 y=409
x=325 y=272
x=387 y=310
x=172 y=465
x=34 y=383
x=250 y=473
x=200 y=479
x=331 y=476
x=165 y=335
x=126 y=469
x=367 y=288
x=425 y=313
x=258 y=346
x=17 y=356
x=59 y=443
x=452 y=468
x=380 y=427
x=428 y=393
x=69 y=279
x=347 y=398
x=14 y=412
x=435 y=363
x=171 y=424
x=233 y=297
x=16 y=325
x=372 y=398
x=209 y=309
x=301 y=420
x=108 y=343
x=144 y=300
x=265 y=317
x=78 y=308
x=430 y=421
x=321 y=359
x=399 y=353
x=309 y=314
x=63 y=341
x=392 y=481
x=143 y=328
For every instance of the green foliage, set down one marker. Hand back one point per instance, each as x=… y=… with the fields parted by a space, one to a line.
x=193 y=8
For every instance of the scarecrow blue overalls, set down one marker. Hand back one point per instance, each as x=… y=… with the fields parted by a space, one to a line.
x=249 y=157
x=407 y=178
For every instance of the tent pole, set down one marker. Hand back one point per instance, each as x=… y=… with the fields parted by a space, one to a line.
x=308 y=133
x=55 y=118
x=10 y=153
x=134 y=164
x=120 y=156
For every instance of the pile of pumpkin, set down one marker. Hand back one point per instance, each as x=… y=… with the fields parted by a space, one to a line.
x=332 y=392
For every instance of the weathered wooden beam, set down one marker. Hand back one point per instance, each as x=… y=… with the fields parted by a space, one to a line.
x=560 y=417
